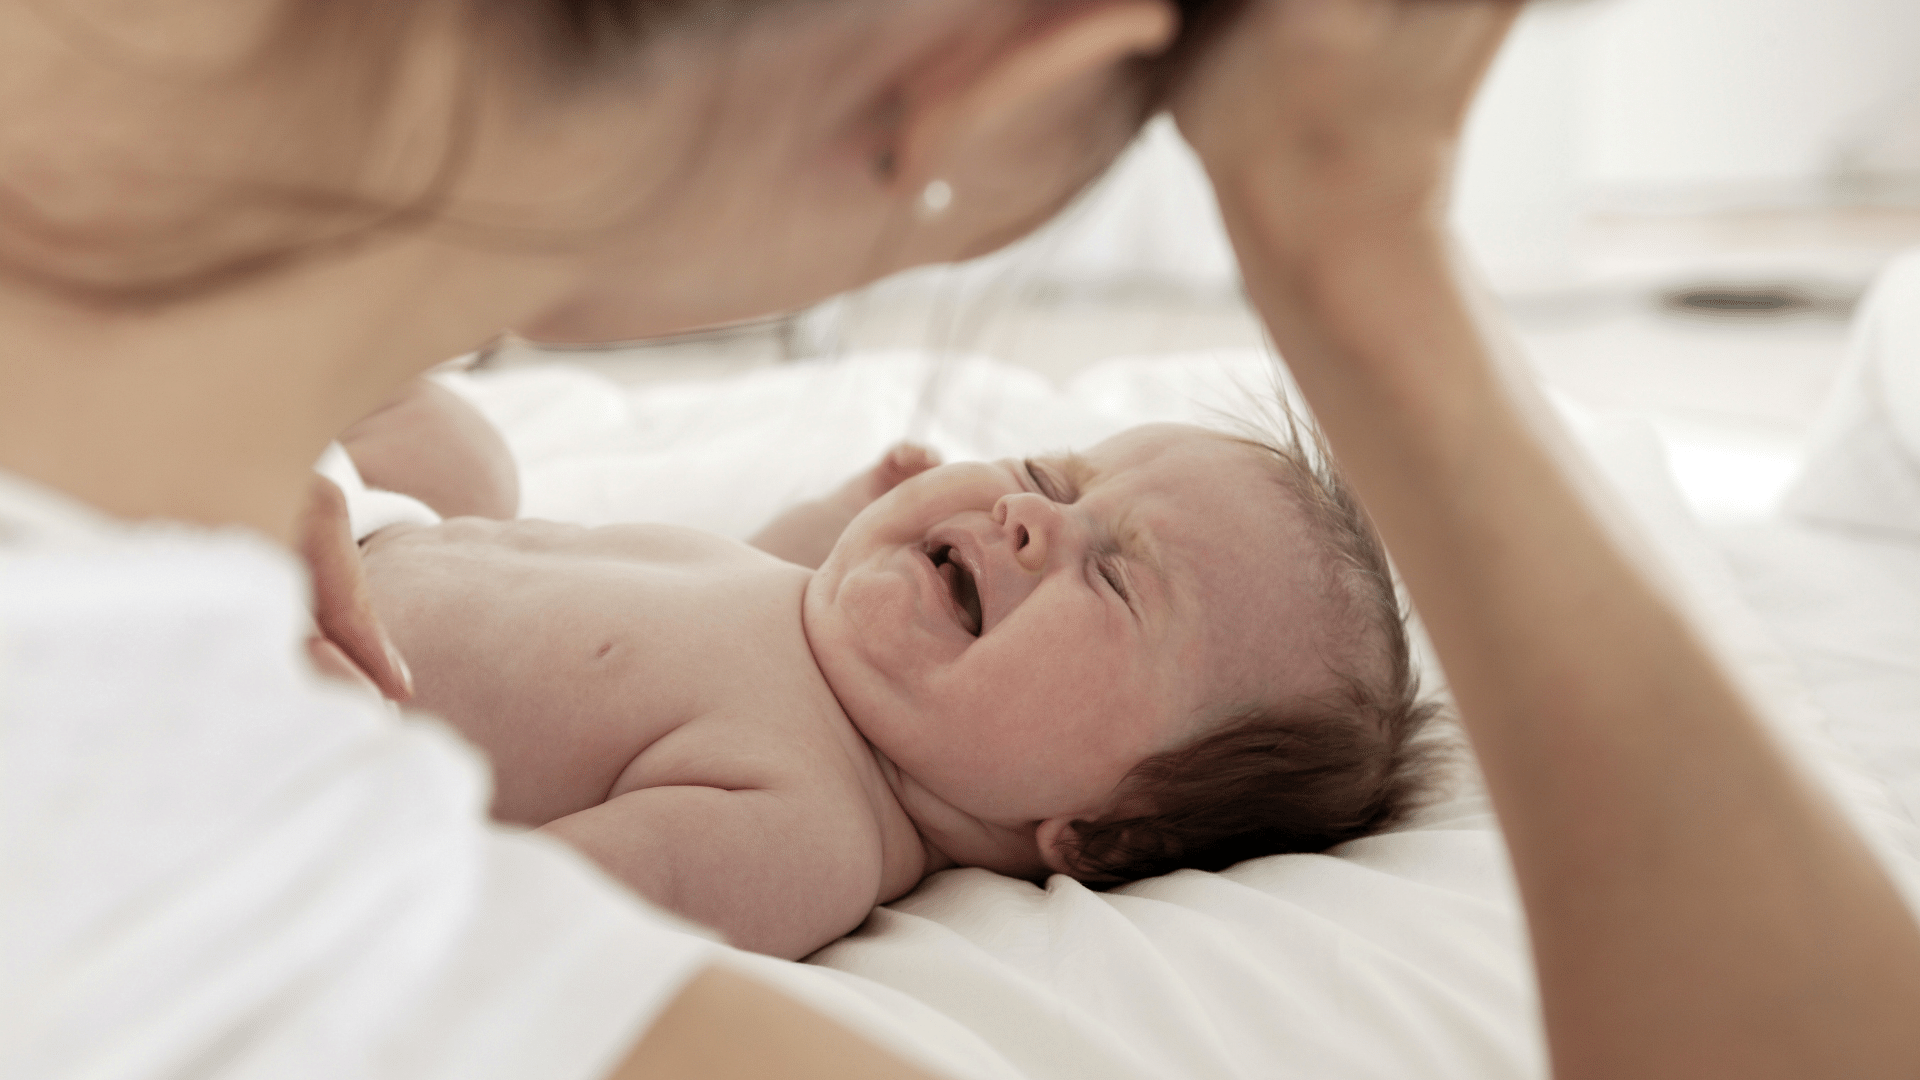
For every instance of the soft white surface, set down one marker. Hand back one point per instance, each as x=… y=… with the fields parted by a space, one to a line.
x=1863 y=462
x=1846 y=606
x=214 y=864
x=1396 y=956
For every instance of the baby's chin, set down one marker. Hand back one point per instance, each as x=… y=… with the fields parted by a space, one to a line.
x=820 y=621
x=816 y=598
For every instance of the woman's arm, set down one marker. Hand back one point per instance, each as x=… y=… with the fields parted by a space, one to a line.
x=1697 y=907
x=726 y=1026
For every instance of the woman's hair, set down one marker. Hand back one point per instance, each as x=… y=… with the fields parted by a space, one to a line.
x=1293 y=776
x=327 y=71
x=613 y=27
x=227 y=167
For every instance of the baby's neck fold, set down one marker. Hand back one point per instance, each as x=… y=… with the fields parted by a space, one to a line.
x=952 y=837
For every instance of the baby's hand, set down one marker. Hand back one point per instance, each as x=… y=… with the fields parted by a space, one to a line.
x=807 y=532
x=903 y=462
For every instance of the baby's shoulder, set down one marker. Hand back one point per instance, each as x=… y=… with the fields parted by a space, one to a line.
x=823 y=775
x=783 y=740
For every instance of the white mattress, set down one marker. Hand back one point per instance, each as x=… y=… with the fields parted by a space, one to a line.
x=1395 y=956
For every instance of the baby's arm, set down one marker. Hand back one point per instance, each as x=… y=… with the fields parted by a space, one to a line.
x=781 y=872
x=805 y=532
x=430 y=444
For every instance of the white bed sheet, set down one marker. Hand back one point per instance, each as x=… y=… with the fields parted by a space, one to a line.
x=1396 y=956
x=1845 y=606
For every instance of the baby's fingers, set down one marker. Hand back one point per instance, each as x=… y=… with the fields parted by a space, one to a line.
x=902 y=462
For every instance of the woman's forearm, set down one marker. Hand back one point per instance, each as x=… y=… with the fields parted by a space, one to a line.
x=726 y=1026
x=1697 y=907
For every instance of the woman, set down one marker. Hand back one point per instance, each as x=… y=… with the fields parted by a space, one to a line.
x=226 y=233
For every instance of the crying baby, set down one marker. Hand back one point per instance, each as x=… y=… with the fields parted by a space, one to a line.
x=1178 y=648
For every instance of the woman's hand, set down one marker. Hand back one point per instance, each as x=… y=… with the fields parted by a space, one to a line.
x=349 y=642
x=1329 y=129
x=1317 y=118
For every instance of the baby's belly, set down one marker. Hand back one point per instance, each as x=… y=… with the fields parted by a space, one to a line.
x=564 y=653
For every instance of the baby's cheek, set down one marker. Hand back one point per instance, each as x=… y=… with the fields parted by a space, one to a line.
x=1112 y=719
x=853 y=602
x=864 y=621
x=1075 y=667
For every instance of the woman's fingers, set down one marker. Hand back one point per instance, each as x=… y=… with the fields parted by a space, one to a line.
x=342 y=607
x=1340 y=106
x=333 y=663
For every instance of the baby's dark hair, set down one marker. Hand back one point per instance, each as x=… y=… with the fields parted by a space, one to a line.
x=1300 y=775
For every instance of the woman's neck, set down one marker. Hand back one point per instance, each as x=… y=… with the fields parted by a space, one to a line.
x=213 y=411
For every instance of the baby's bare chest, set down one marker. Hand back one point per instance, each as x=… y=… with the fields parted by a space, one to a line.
x=565 y=653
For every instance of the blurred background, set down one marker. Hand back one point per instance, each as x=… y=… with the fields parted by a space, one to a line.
x=1679 y=202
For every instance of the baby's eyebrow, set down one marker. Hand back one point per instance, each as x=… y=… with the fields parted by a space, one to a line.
x=1131 y=541
x=1077 y=470
x=1125 y=536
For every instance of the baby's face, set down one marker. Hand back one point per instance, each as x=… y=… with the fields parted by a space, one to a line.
x=1016 y=636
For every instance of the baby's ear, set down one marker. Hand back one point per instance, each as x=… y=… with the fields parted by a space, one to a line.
x=1055 y=837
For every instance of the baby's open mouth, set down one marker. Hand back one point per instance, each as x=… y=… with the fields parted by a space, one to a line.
x=960 y=582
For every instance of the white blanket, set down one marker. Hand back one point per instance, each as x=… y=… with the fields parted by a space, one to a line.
x=1396 y=956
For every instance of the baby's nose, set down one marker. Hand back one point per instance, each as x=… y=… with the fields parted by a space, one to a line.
x=1030 y=524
